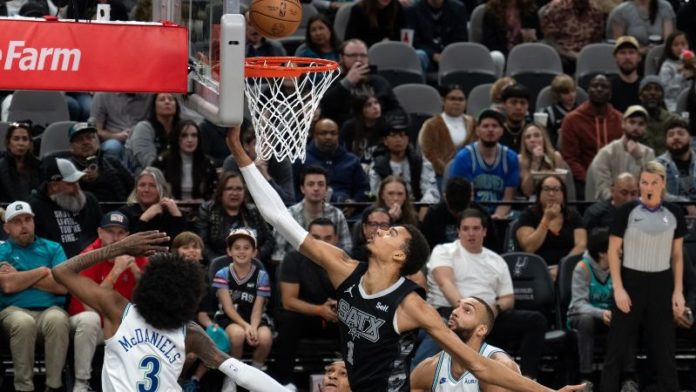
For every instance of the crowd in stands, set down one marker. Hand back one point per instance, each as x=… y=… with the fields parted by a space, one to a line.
x=546 y=181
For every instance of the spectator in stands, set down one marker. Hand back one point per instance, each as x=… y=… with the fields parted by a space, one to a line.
x=243 y=289
x=357 y=78
x=550 y=228
x=278 y=174
x=227 y=211
x=308 y=304
x=436 y=24
x=115 y=115
x=588 y=128
x=347 y=178
x=673 y=75
x=507 y=23
x=213 y=141
x=564 y=93
x=19 y=167
x=120 y=274
x=190 y=173
x=465 y=268
x=320 y=39
x=258 y=45
x=32 y=301
x=601 y=213
x=66 y=213
x=680 y=162
x=150 y=205
x=105 y=175
x=642 y=19
x=397 y=157
x=491 y=167
x=393 y=196
x=625 y=85
x=335 y=378
x=314 y=186
x=626 y=154
x=372 y=21
x=537 y=155
x=652 y=98
x=685 y=17
x=441 y=222
x=515 y=106
x=373 y=218
x=497 y=91
x=362 y=134
x=570 y=25
x=444 y=134
x=151 y=136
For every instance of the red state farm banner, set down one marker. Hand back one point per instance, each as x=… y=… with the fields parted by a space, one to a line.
x=70 y=56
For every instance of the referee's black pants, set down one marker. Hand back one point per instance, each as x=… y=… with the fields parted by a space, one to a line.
x=651 y=308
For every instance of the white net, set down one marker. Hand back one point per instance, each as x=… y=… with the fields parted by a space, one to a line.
x=282 y=109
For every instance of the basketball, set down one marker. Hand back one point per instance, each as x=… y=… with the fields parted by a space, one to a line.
x=275 y=18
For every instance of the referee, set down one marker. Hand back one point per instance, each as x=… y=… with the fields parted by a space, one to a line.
x=648 y=284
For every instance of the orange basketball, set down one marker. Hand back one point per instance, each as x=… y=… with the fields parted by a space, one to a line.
x=275 y=18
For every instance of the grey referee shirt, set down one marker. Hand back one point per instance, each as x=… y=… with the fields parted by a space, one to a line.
x=648 y=234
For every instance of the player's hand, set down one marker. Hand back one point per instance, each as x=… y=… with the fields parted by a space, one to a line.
x=143 y=243
x=570 y=388
x=623 y=301
x=606 y=317
x=678 y=303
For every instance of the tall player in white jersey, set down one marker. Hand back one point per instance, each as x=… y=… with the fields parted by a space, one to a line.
x=146 y=341
x=472 y=320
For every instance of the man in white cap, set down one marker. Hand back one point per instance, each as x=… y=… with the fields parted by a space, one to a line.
x=68 y=215
x=32 y=300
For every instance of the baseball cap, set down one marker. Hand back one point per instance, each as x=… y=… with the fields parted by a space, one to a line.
x=490 y=113
x=241 y=232
x=395 y=122
x=626 y=40
x=114 y=219
x=79 y=128
x=635 y=110
x=650 y=79
x=60 y=169
x=17 y=208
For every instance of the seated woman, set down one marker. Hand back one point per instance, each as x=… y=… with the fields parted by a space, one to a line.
x=320 y=39
x=362 y=133
x=190 y=173
x=673 y=74
x=642 y=19
x=393 y=196
x=537 y=155
x=150 y=206
x=150 y=137
x=564 y=92
x=507 y=23
x=19 y=168
x=549 y=228
x=373 y=21
x=444 y=134
x=228 y=210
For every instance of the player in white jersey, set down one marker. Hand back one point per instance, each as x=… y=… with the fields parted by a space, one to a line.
x=146 y=341
x=472 y=320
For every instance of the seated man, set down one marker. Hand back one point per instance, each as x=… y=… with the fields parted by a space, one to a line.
x=120 y=274
x=680 y=162
x=472 y=320
x=652 y=97
x=515 y=104
x=114 y=115
x=600 y=214
x=309 y=307
x=34 y=301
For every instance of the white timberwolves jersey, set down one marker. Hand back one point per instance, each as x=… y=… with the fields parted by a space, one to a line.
x=140 y=358
x=445 y=382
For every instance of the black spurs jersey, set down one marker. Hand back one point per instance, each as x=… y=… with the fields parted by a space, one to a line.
x=377 y=357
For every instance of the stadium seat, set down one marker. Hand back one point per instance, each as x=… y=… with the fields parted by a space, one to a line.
x=479 y=98
x=341 y=20
x=55 y=138
x=476 y=23
x=510 y=243
x=533 y=65
x=421 y=102
x=41 y=107
x=397 y=62
x=652 y=59
x=545 y=97
x=466 y=64
x=565 y=283
x=681 y=102
x=3 y=131
x=595 y=59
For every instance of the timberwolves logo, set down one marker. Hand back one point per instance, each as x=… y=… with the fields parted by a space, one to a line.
x=360 y=324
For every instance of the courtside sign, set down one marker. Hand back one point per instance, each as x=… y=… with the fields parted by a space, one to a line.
x=40 y=54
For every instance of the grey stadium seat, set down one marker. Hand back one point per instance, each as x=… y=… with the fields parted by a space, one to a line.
x=476 y=23
x=479 y=98
x=397 y=62
x=41 y=107
x=595 y=59
x=533 y=65
x=466 y=64
x=55 y=138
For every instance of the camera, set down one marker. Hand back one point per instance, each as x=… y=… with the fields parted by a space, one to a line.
x=91 y=163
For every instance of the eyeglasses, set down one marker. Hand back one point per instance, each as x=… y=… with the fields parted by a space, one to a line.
x=377 y=225
x=355 y=55
x=549 y=189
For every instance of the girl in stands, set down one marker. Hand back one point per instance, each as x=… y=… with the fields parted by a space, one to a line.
x=537 y=155
x=394 y=197
x=320 y=39
x=673 y=75
x=362 y=133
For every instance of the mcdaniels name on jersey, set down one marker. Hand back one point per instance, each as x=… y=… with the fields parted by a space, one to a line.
x=154 y=339
x=361 y=324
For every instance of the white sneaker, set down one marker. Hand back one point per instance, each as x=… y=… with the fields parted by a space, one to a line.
x=290 y=387
x=82 y=386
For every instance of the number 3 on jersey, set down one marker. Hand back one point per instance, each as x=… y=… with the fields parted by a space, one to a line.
x=151 y=367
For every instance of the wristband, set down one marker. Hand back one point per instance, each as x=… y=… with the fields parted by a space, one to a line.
x=110 y=280
x=318 y=311
x=543 y=225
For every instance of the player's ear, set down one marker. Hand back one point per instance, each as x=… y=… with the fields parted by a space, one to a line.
x=482 y=330
x=399 y=256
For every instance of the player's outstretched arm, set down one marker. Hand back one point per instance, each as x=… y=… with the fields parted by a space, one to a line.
x=414 y=313
x=106 y=302
x=335 y=261
x=254 y=380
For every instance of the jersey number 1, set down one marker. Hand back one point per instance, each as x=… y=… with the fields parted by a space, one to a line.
x=151 y=365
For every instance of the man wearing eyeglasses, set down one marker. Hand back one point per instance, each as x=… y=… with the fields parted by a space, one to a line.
x=357 y=78
x=600 y=214
x=680 y=162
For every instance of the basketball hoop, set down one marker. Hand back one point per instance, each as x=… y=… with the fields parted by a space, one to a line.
x=283 y=94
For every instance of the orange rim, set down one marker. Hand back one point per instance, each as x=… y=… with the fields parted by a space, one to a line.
x=276 y=67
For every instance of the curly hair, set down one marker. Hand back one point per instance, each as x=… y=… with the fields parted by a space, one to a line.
x=168 y=293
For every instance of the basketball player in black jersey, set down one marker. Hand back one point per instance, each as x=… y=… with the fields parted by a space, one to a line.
x=378 y=309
